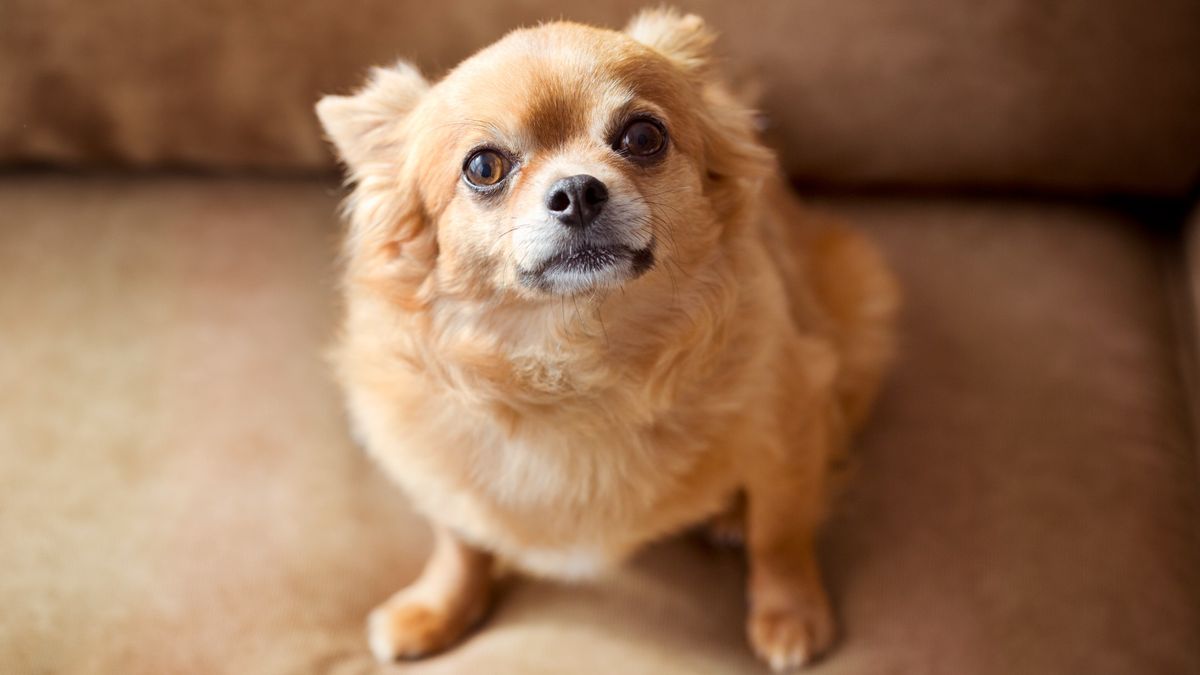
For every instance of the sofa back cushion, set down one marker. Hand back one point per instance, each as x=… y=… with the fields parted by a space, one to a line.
x=1059 y=94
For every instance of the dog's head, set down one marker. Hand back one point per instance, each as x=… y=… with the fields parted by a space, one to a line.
x=561 y=160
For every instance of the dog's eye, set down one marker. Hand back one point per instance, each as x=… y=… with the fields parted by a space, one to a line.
x=642 y=139
x=485 y=168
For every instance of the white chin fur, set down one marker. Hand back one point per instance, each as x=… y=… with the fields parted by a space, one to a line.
x=573 y=281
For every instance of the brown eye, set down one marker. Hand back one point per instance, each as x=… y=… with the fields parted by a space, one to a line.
x=485 y=168
x=642 y=139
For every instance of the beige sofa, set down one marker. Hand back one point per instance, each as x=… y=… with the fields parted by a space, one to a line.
x=178 y=493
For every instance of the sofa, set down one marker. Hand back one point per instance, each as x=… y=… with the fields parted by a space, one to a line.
x=178 y=489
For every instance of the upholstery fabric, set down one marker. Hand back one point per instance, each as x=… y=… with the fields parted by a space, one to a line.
x=1071 y=94
x=180 y=495
x=1189 y=311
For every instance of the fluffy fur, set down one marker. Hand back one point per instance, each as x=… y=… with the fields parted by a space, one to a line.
x=562 y=427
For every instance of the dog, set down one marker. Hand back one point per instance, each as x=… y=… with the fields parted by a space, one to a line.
x=584 y=312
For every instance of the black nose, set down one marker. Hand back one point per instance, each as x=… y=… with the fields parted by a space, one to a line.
x=576 y=200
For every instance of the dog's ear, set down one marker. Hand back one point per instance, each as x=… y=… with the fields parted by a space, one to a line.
x=388 y=236
x=683 y=38
x=364 y=127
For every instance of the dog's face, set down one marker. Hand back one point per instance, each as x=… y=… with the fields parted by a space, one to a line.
x=561 y=154
x=561 y=160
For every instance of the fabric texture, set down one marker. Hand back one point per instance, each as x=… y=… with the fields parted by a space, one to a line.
x=180 y=494
x=1189 y=317
x=1073 y=94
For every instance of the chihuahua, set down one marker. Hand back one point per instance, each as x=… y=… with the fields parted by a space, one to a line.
x=584 y=312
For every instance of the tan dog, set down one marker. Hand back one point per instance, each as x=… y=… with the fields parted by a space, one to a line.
x=583 y=312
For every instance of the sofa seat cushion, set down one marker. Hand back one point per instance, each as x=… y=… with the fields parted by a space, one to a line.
x=180 y=494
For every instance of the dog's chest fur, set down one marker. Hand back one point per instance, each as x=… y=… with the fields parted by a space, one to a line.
x=562 y=487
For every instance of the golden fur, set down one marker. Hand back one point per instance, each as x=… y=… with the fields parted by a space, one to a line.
x=561 y=431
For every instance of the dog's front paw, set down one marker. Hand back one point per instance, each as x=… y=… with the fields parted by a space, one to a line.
x=410 y=629
x=790 y=638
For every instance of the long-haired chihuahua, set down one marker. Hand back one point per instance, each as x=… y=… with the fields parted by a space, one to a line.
x=583 y=312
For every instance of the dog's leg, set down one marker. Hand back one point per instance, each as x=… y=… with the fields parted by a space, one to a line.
x=728 y=528
x=790 y=621
x=451 y=594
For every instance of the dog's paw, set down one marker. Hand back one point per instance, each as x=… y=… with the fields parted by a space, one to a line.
x=411 y=629
x=790 y=638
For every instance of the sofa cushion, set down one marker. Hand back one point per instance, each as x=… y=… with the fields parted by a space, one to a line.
x=1189 y=313
x=180 y=495
x=1072 y=95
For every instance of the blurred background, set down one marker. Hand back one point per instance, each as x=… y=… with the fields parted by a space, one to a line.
x=178 y=493
x=1088 y=96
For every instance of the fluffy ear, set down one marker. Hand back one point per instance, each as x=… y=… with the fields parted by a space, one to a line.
x=683 y=38
x=363 y=127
